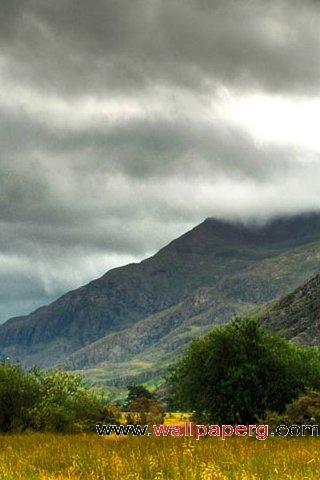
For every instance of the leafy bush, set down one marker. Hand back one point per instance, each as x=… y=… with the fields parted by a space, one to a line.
x=111 y=414
x=237 y=373
x=18 y=394
x=64 y=403
x=145 y=411
x=46 y=401
x=303 y=410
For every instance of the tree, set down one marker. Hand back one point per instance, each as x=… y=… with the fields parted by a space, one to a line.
x=237 y=373
x=137 y=391
x=18 y=394
x=65 y=403
x=49 y=401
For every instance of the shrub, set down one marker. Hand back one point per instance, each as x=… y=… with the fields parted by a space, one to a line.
x=145 y=411
x=303 y=410
x=46 y=401
x=64 y=403
x=111 y=414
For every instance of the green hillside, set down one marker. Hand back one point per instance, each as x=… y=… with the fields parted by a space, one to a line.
x=141 y=357
x=131 y=323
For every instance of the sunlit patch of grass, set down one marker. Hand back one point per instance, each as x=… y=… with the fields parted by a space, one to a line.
x=87 y=456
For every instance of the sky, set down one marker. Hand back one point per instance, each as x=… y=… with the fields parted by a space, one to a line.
x=124 y=123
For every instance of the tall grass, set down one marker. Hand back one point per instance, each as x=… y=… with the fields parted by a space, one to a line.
x=89 y=457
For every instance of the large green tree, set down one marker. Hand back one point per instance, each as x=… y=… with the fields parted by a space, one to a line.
x=238 y=372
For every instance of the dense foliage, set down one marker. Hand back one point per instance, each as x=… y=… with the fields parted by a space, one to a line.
x=137 y=391
x=60 y=401
x=141 y=406
x=18 y=395
x=237 y=373
x=144 y=411
x=46 y=401
x=304 y=410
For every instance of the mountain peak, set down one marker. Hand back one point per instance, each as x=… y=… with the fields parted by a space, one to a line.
x=241 y=265
x=214 y=233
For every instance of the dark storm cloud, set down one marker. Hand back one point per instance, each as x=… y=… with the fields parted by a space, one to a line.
x=76 y=46
x=111 y=139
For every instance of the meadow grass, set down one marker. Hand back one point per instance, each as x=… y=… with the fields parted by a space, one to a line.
x=87 y=456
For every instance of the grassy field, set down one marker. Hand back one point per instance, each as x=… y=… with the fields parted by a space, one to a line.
x=89 y=457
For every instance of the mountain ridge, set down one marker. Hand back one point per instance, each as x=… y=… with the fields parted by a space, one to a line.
x=236 y=267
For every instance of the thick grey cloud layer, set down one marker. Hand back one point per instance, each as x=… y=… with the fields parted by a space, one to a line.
x=77 y=46
x=120 y=128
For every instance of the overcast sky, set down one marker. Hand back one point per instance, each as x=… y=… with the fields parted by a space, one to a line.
x=124 y=123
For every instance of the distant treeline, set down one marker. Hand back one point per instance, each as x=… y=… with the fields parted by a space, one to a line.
x=136 y=379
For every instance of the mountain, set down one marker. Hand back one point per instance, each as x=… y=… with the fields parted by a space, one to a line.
x=134 y=320
x=145 y=350
x=297 y=315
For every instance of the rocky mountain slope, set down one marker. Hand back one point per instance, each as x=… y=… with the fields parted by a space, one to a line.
x=145 y=350
x=135 y=319
x=297 y=315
